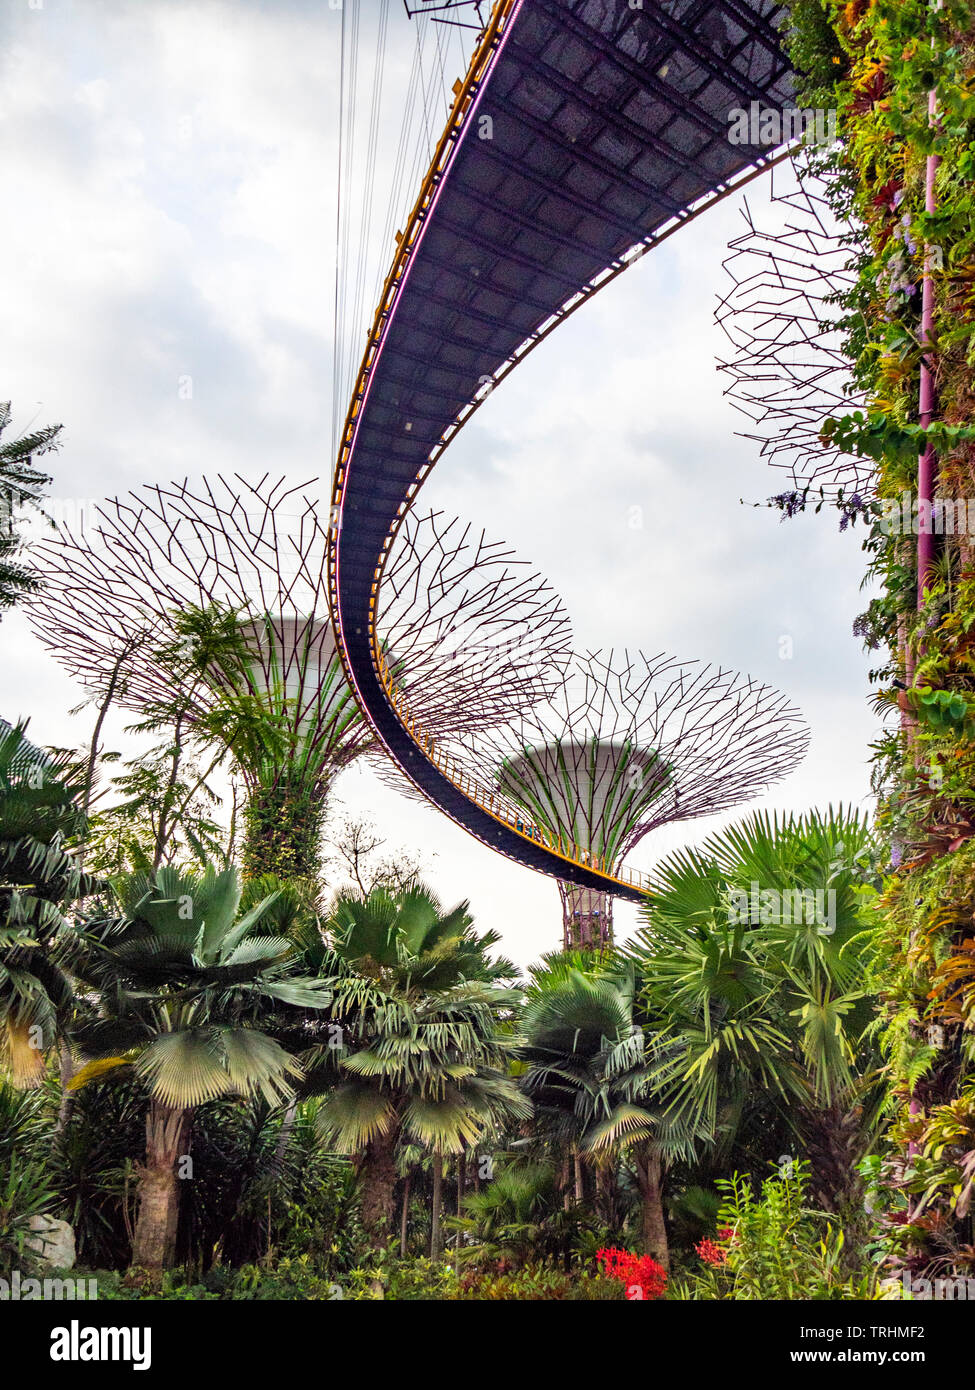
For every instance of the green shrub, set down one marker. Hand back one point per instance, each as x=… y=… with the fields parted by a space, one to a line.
x=772 y=1247
x=416 y=1281
x=247 y=1204
x=24 y=1125
x=90 y=1164
x=24 y=1192
x=289 y=1281
x=536 y=1284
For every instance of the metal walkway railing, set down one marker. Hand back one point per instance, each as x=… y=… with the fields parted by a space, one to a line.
x=493 y=803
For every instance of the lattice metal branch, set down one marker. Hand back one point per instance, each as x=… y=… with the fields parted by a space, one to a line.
x=788 y=369
x=472 y=633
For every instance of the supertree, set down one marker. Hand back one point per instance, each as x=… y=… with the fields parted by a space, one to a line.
x=208 y=603
x=627 y=744
x=789 y=371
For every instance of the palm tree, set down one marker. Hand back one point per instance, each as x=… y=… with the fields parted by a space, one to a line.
x=760 y=986
x=39 y=816
x=185 y=985
x=516 y=1217
x=428 y=1047
x=590 y=1072
x=21 y=485
x=196 y=717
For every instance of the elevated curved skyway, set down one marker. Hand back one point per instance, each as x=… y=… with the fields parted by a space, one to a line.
x=584 y=133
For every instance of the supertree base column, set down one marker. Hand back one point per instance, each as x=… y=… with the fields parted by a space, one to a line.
x=283 y=822
x=587 y=918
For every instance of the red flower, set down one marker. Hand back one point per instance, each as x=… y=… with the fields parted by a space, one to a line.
x=711 y=1253
x=642 y=1276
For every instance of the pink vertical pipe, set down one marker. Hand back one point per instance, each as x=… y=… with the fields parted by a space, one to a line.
x=914 y=1108
x=927 y=461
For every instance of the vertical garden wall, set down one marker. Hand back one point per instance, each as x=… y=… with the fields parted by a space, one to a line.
x=901 y=76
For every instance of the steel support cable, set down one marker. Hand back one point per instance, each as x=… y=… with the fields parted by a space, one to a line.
x=399 y=164
x=441 y=64
x=358 y=261
x=418 y=153
x=369 y=175
x=346 y=137
x=412 y=154
x=350 y=154
x=337 y=378
x=411 y=157
x=427 y=128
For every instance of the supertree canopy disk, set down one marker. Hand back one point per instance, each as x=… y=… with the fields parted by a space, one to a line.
x=212 y=599
x=630 y=743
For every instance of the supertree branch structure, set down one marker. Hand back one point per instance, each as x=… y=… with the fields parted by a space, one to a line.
x=788 y=370
x=627 y=744
x=473 y=634
x=231 y=547
x=467 y=14
x=132 y=600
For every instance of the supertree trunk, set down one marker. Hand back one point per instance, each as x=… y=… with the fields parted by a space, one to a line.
x=587 y=918
x=283 y=823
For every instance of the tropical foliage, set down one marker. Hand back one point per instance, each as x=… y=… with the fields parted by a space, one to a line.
x=427 y=1049
x=22 y=486
x=39 y=879
x=276 y=1098
x=242 y=1083
x=763 y=990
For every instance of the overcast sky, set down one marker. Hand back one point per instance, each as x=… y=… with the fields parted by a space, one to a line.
x=169 y=179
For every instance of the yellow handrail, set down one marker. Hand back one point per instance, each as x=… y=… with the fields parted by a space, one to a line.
x=490 y=800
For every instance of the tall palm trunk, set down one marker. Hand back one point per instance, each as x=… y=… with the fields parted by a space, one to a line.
x=835 y=1139
x=167 y=1139
x=606 y=1192
x=66 y=1105
x=378 y=1185
x=284 y=1138
x=404 y=1221
x=649 y=1170
x=461 y=1184
x=435 y=1240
